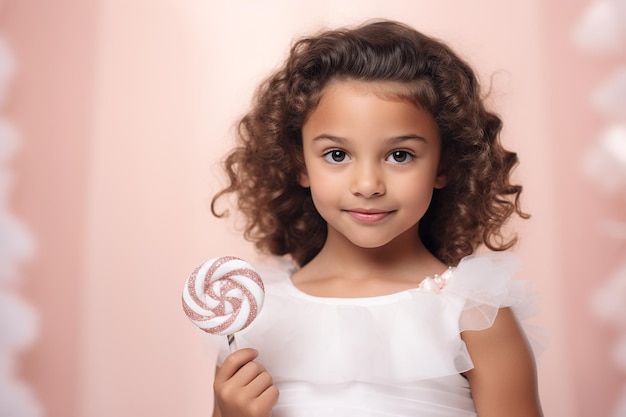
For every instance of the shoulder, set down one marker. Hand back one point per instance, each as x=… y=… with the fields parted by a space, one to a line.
x=503 y=380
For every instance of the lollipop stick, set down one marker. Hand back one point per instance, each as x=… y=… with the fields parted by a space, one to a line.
x=232 y=343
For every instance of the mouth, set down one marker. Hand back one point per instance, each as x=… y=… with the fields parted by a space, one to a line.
x=369 y=215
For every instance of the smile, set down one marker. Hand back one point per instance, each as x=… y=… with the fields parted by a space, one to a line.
x=369 y=216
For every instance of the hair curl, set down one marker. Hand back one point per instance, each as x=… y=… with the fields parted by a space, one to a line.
x=263 y=170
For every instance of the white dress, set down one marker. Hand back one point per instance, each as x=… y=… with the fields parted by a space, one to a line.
x=392 y=355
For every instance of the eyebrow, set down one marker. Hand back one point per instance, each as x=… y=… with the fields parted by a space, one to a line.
x=392 y=140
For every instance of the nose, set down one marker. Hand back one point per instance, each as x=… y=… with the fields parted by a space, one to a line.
x=367 y=180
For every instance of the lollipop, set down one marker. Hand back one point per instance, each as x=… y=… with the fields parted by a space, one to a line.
x=223 y=296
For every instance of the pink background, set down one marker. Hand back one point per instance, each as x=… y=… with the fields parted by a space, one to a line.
x=125 y=108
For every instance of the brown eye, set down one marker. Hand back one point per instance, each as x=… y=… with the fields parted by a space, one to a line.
x=336 y=156
x=400 y=157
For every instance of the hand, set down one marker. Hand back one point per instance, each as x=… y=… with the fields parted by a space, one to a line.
x=243 y=388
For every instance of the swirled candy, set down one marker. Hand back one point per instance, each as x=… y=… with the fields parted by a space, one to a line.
x=223 y=295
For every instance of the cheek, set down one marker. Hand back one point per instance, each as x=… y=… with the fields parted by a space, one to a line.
x=417 y=191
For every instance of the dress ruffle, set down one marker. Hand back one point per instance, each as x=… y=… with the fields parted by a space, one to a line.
x=399 y=338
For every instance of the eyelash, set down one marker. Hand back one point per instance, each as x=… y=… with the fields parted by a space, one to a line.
x=338 y=156
x=405 y=153
x=330 y=156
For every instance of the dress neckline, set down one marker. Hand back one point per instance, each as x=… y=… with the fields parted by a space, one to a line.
x=430 y=284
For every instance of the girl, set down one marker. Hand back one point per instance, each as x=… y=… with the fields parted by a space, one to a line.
x=370 y=160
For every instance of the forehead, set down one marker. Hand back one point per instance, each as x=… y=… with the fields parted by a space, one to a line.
x=419 y=92
x=356 y=108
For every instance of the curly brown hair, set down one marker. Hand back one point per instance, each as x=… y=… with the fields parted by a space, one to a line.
x=264 y=168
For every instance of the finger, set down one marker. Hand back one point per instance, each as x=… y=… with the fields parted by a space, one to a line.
x=247 y=374
x=269 y=397
x=262 y=405
x=233 y=363
x=259 y=384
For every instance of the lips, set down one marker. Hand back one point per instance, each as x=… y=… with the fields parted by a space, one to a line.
x=369 y=216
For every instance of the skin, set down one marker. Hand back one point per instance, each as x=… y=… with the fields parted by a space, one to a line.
x=503 y=380
x=372 y=163
x=243 y=388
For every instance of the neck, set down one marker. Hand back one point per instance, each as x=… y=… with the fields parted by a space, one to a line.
x=403 y=253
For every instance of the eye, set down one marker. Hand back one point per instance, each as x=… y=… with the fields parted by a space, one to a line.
x=400 y=157
x=336 y=156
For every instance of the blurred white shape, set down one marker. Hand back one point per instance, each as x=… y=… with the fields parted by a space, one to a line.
x=609 y=304
x=18 y=330
x=16 y=399
x=16 y=245
x=602 y=27
x=620 y=410
x=18 y=322
x=610 y=97
x=614 y=229
x=605 y=163
x=609 y=301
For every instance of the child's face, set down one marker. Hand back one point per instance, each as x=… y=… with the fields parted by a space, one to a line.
x=371 y=163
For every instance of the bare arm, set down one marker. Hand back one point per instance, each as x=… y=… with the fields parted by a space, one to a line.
x=216 y=410
x=504 y=380
x=243 y=388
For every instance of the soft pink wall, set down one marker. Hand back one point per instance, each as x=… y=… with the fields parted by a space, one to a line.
x=126 y=107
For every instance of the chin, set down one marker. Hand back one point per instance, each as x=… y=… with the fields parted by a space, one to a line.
x=369 y=244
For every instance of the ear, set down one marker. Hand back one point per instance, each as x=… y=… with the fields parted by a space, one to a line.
x=441 y=180
x=303 y=179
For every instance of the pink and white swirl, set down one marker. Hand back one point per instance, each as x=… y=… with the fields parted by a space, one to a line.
x=223 y=295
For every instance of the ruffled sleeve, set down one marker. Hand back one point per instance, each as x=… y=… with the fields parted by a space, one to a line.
x=485 y=283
